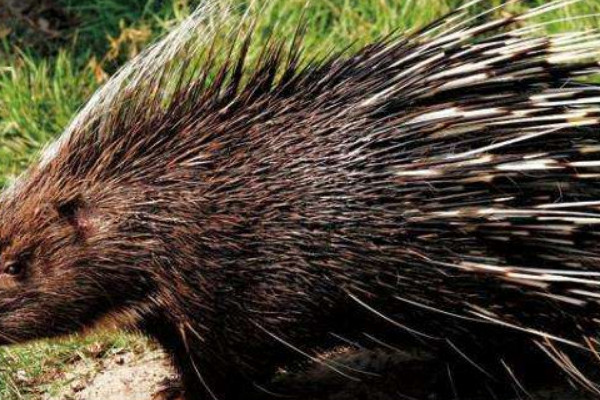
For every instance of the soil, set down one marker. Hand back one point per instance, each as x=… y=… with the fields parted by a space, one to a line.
x=124 y=376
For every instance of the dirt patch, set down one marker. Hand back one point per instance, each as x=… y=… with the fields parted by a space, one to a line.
x=123 y=376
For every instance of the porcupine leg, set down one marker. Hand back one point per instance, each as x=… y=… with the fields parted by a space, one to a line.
x=200 y=377
x=212 y=382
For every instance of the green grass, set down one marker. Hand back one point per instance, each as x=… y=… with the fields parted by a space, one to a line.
x=40 y=91
x=29 y=372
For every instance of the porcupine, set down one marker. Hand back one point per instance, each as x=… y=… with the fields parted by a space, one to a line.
x=438 y=188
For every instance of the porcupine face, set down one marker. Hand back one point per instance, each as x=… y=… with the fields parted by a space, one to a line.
x=61 y=267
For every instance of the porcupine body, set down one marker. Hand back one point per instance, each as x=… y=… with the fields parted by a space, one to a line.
x=438 y=189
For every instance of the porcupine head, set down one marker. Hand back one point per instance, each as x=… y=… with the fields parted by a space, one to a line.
x=220 y=205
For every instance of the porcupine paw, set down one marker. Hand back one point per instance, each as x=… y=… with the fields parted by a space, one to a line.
x=171 y=389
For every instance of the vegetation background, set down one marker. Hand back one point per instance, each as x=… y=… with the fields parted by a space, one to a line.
x=55 y=53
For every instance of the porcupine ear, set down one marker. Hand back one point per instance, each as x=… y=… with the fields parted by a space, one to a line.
x=72 y=211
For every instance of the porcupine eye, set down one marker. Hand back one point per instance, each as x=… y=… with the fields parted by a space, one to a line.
x=18 y=266
x=15 y=268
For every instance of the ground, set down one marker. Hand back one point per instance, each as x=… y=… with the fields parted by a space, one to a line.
x=126 y=375
x=55 y=53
